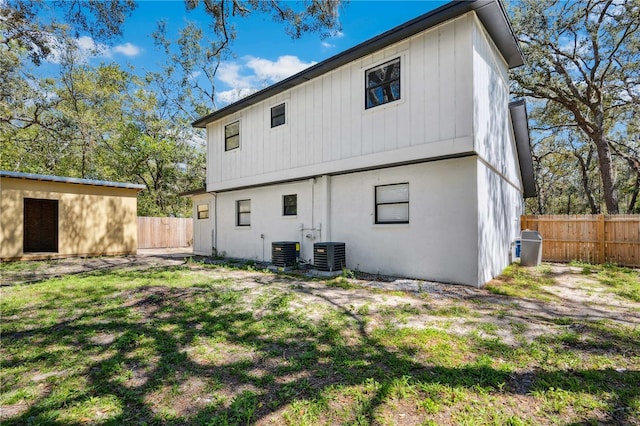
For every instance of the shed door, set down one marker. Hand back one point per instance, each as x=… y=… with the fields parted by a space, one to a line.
x=40 y=225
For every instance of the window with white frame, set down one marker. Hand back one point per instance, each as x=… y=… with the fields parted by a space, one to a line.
x=232 y=136
x=243 y=212
x=278 y=115
x=203 y=211
x=392 y=203
x=290 y=205
x=382 y=84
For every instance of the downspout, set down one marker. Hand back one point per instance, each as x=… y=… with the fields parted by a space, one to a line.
x=326 y=213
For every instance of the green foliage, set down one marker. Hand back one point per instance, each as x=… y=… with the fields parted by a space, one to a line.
x=109 y=123
x=581 y=78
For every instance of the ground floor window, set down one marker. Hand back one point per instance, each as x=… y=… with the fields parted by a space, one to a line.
x=290 y=205
x=392 y=203
x=203 y=211
x=40 y=231
x=243 y=212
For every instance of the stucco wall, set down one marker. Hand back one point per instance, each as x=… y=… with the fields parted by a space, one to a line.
x=93 y=220
x=203 y=228
x=439 y=243
x=267 y=221
x=500 y=205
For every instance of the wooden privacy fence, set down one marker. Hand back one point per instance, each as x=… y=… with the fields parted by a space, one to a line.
x=588 y=238
x=164 y=232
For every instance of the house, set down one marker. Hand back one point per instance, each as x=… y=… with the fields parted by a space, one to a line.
x=202 y=221
x=404 y=147
x=46 y=217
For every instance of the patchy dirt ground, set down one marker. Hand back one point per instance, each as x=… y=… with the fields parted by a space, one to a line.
x=456 y=308
x=571 y=298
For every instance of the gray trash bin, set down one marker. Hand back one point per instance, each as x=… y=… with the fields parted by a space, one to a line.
x=530 y=248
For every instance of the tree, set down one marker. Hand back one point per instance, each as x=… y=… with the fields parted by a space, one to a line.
x=104 y=122
x=583 y=66
x=23 y=27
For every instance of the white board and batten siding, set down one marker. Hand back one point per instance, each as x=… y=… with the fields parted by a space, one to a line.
x=494 y=140
x=328 y=129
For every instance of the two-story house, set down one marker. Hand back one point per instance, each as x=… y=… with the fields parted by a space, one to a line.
x=404 y=147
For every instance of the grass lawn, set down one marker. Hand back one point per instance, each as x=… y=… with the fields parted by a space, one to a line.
x=215 y=345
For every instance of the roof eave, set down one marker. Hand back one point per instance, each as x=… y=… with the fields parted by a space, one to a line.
x=519 y=120
x=63 y=179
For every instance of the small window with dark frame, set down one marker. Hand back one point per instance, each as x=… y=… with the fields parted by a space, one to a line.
x=232 y=136
x=203 y=211
x=278 y=115
x=382 y=84
x=243 y=213
x=392 y=203
x=290 y=205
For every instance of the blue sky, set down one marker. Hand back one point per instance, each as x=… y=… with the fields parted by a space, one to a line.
x=263 y=52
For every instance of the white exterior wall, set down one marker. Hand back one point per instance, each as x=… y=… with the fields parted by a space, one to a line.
x=203 y=228
x=499 y=180
x=500 y=206
x=464 y=212
x=439 y=242
x=267 y=222
x=328 y=129
x=493 y=134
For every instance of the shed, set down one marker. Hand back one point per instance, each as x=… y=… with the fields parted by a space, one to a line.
x=44 y=217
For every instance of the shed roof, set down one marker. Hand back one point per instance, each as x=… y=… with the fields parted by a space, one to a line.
x=62 y=179
x=490 y=12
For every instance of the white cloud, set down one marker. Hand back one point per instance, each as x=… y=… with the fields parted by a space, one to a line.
x=229 y=74
x=127 y=49
x=230 y=96
x=327 y=45
x=252 y=74
x=271 y=72
x=87 y=48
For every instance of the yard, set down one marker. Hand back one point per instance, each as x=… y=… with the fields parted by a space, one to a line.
x=163 y=341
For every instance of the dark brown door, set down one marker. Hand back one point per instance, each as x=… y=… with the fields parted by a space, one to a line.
x=40 y=225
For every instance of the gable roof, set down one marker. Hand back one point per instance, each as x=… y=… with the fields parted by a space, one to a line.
x=62 y=179
x=490 y=12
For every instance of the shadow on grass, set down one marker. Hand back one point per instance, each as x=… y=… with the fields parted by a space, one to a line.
x=141 y=351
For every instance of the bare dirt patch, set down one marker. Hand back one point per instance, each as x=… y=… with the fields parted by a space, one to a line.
x=207 y=368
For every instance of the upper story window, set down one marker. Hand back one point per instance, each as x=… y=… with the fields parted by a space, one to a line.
x=382 y=84
x=203 y=211
x=278 y=115
x=290 y=205
x=392 y=203
x=232 y=136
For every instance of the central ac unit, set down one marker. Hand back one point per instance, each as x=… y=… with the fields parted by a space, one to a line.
x=285 y=253
x=329 y=256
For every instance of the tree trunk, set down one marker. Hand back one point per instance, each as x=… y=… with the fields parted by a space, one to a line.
x=584 y=169
x=607 y=173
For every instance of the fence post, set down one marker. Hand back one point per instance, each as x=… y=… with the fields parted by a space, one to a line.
x=601 y=240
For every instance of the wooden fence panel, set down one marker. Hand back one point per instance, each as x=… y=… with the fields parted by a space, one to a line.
x=164 y=232
x=588 y=238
